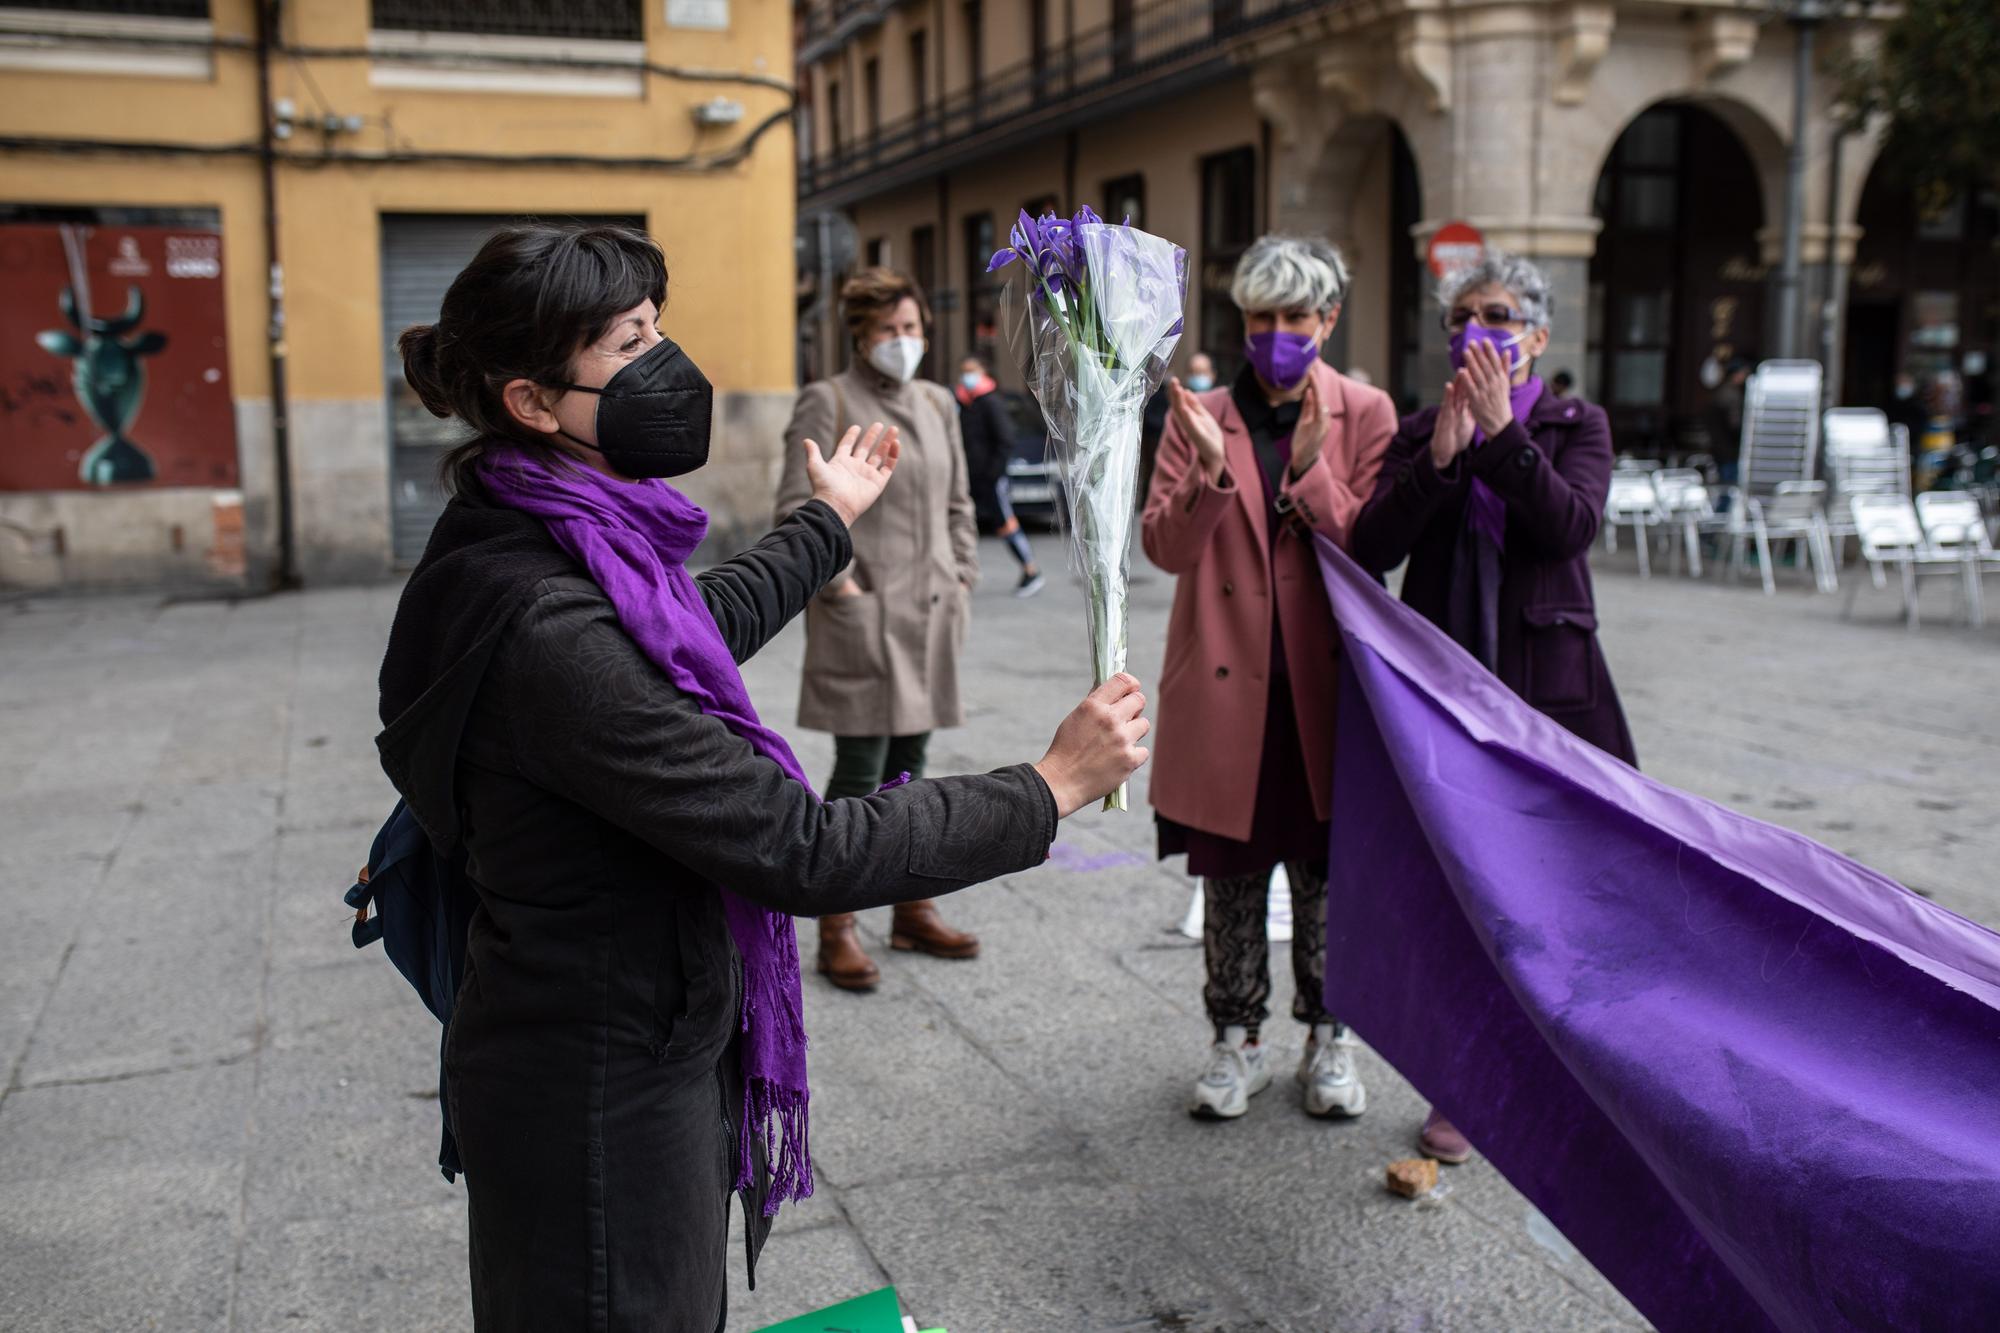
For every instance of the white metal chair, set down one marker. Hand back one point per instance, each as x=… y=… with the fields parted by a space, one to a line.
x=1631 y=502
x=1778 y=497
x=1686 y=511
x=1892 y=534
x=1954 y=524
x=1865 y=455
x=1795 y=512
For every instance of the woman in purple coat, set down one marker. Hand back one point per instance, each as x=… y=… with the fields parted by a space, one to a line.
x=1495 y=498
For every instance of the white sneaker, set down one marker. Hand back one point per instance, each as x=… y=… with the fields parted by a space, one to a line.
x=1327 y=1074
x=1236 y=1073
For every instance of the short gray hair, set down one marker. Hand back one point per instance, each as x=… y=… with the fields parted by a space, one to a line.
x=1289 y=272
x=1500 y=269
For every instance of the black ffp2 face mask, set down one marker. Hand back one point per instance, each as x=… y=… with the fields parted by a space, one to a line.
x=653 y=415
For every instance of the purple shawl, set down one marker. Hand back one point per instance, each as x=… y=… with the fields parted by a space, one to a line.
x=1487 y=512
x=633 y=538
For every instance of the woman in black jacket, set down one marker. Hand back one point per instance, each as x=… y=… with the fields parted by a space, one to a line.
x=561 y=701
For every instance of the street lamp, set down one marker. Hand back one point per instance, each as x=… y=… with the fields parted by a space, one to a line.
x=1805 y=16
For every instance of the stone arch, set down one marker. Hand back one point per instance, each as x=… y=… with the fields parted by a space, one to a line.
x=1362 y=189
x=1677 y=279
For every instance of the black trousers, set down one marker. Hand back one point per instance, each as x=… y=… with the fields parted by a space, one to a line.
x=1238 y=952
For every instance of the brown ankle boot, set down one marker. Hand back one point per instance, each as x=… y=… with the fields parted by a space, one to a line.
x=841 y=959
x=917 y=926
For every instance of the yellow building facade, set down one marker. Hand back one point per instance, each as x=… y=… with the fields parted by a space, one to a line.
x=377 y=143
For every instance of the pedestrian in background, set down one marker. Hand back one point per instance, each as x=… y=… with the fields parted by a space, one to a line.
x=1247 y=475
x=883 y=640
x=989 y=447
x=1495 y=498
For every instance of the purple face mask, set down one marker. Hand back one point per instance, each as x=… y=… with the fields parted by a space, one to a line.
x=1507 y=344
x=1282 y=359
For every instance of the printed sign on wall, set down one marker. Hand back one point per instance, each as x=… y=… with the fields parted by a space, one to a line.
x=114 y=367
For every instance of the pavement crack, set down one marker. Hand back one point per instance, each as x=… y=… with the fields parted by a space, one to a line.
x=126 y=1076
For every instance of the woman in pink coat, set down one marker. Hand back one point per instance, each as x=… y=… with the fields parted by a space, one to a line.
x=1243 y=768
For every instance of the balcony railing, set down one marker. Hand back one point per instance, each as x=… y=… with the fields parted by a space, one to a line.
x=830 y=24
x=1160 y=41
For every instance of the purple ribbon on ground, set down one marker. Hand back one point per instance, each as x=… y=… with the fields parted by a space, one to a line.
x=1756 y=1083
x=1486 y=512
x=634 y=537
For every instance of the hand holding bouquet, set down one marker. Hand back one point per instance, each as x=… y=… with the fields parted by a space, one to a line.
x=1101 y=316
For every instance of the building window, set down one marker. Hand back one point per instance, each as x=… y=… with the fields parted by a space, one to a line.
x=923 y=259
x=1123 y=40
x=920 y=71
x=878 y=252
x=1125 y=199
x=1038 y=43
x=598 y=20
x=834 y=136
x=975 y=45
x=1040 y=204
x=1228 y=226
x=871 y=94
x=982 y=290
x=149 y=9
x=923 y=267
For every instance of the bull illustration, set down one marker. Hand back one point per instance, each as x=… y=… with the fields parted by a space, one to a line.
x=110 y=382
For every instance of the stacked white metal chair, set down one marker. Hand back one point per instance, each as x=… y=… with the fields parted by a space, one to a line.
x=1777 y=497
x=1865 y=455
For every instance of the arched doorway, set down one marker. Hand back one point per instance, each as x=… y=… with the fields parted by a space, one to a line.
x=1924 y=296
x=1676 y=284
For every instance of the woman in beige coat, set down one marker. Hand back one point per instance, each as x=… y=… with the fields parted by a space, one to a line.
x=882 y=641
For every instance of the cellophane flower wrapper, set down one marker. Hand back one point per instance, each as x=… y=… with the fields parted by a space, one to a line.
x=1093 y=330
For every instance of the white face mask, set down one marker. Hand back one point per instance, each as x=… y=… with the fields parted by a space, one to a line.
x=897 y=357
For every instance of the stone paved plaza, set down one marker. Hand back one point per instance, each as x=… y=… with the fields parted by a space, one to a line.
x=217 y=1115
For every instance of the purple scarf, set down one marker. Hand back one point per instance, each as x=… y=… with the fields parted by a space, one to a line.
x=633 y=538
x=1487 y=512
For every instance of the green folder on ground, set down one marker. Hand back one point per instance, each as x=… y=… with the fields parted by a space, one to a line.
x=877 y=1312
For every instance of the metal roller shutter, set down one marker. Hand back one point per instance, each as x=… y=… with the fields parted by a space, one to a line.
x=421 y=255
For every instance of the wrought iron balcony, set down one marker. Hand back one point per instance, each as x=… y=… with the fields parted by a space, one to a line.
x=1160 y=48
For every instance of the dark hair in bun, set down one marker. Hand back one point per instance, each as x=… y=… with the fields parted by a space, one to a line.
x=530 y=300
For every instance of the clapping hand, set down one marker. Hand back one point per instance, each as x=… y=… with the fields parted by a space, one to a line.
x=1202 y=429
x=852 y=477
x=1490 y=387
x=1452 y=433
x=1309 y=436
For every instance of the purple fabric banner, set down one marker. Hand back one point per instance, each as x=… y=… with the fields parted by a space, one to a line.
x=1755 y=1083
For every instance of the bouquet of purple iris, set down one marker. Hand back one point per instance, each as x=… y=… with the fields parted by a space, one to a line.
x=1100 y=317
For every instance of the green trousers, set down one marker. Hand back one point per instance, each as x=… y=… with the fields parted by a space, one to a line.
x=861 y=764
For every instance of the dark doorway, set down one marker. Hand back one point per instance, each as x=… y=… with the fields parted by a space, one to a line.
x=1228 y=224
x=1677 y=283
x=1869 y=377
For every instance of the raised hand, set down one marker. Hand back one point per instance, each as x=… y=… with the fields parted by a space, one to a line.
x=1202 y=430
x=1452 y=432
x=1492 y=387
x=852 y=477
x=1097 y=746
x=1309 y=436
